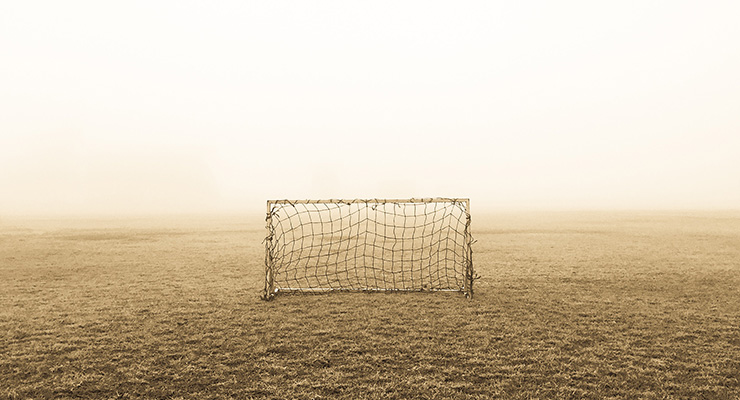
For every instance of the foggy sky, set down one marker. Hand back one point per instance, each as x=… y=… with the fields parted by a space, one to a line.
x=177 y=107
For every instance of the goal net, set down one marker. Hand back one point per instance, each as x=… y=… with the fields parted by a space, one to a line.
x=368 y=245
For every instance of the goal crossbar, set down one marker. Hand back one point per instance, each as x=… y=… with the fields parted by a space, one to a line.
x=374 y=201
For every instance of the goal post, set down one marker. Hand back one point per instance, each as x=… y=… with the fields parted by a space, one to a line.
x=368 y=245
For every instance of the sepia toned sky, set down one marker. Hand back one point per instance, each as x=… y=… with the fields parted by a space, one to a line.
x=143 y=107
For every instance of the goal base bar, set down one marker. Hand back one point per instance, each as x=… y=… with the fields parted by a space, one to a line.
x=362 y=290
x=268 y=296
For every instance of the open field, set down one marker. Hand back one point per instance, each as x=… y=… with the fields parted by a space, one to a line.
x=570 y=305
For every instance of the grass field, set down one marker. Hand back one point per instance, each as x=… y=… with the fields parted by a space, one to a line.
x=570 y=305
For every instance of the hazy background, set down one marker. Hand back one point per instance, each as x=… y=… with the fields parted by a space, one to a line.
x=171 y=106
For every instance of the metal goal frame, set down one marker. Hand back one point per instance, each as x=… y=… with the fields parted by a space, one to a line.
x=272 y=287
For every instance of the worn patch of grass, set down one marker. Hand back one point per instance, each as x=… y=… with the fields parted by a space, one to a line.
x=571 y=305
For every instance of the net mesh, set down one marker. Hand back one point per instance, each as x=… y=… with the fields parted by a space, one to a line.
x=368 y=245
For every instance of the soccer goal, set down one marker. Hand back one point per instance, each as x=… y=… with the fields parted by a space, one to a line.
x=368 y=245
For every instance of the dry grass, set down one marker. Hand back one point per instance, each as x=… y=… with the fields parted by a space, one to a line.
x=592 y=305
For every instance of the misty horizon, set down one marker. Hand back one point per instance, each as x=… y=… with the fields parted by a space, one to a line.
x=168 y=108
